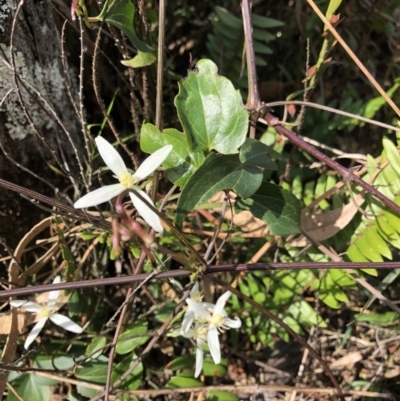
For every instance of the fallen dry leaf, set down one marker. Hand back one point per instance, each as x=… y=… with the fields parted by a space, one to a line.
x=348 y=361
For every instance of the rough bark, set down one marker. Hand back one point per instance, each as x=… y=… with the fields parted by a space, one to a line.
x=37 y=55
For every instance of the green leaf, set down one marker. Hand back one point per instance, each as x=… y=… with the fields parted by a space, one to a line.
x=96 y=347
x=142 y=59
x=132 y=337
x=134 y=379
x=217 y=173
x=121 y=15
x=276 y=206
x=182 y=362
x=378 y=319
x=29 y=388
x=379 y=244
x=368 y=249
x=254 y=152
x=219 y=395
x=95 y=372
x=210 y=369
x=228 y=19
x=182 y=382
x=181 y=162
x=49 y=362
x=264 y=22
x=211 y=110
x=392 y=154
x=305 y=314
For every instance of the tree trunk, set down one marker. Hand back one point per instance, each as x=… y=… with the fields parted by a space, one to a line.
x=31 y=138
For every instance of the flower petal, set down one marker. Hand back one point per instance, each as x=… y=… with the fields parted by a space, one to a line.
x=110 y=156
x=187 y=321
x=148 y=215
x=37 y=328
x=221 y=301
x=232 y=323
x=53 y=295
x=194 y=290
x=198 y=309
x=29 y=306
x=213 y=344
x=99 y=196
x=66 y=323
x=199 y=360
x=152 y=163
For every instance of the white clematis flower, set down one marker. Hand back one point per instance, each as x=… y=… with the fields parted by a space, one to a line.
x=216 y=319
x=46 y=312
x=196 y=296
x=199 y=334
x=126 y=181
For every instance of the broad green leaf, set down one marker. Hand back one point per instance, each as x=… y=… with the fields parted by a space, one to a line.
x=276 y=206
x=181 y=162
x=29 y=388
x=254 y=152
x=182 y=362
x=210 y=369
x=121 y=15
x=95 y=372
x=217 y=173
x=134 y=379
x=49 y=362
x=182 y=382
x=142 y=59
x=86 y=391
x=211 y=110
x=96 y=347
x=219 y=395
x=132 y=337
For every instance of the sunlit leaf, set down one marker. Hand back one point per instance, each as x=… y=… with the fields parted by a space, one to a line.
x=211 y=111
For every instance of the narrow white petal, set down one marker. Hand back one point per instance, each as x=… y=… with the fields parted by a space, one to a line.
x=66 y=323
x=190 y=334
x=199 y=360
x=187 y=321
x=148 y=215
x=99 y=196
x=152 y=163
x=232 y=323
x=37 y=328
x=213 y=344
x=53 y=295
x=220 y=304
x=198 y=309
x=195 y=289
x=29 y=306
x=110 y=156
